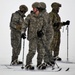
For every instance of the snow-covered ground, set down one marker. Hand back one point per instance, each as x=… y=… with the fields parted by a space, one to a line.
x=67 y=12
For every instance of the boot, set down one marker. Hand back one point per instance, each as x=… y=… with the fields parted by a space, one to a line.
x=29 y=67
x=51 y=63
x=16 y=62
x=58 y=58
x=42 y=66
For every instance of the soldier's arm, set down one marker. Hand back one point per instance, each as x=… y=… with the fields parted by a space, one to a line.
x=51 y=18
x=25 y=23
x=14 y=20
x=64 y=23
x=45 y=22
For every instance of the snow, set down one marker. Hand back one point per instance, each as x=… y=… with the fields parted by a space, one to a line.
x=67 y=12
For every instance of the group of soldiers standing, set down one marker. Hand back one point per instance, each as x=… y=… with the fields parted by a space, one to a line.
x=43 y=34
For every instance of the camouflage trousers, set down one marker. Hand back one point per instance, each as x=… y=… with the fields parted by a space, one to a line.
x=48 y=53
x=35 y=44
x=55 y=43
x=16 y=44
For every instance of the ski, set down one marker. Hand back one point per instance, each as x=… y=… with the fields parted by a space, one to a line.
x=67 y=69
x=57 y=70
x=49 y=70
x=8 y=66
x=60 y=69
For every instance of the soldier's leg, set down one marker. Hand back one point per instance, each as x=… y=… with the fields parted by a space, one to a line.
x=40 y=55
x=32 y=51
x=49 y=52
x=52 y=47
x=16 y=46
x=41 y=52
x=41 y=49
x=57 y=42
x=56 y=52
x=13 y=44
x=48 y=58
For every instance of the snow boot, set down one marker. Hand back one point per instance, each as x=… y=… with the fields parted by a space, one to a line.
x=42 y=66
x=58 y=58
x=29 y=67
x=16 y=62
x=51 y=63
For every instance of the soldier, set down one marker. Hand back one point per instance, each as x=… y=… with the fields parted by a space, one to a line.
x=57 y=24
x=48 y=59
x=36 y=29
x=17 y=19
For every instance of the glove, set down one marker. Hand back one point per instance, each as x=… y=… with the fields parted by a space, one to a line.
x=66 y=23
x=18 y=27
x=40 y=33
x=23 y=35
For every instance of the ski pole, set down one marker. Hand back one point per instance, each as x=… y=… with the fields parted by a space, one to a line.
x=57 y=65
x=23 y=54
x=67 y=43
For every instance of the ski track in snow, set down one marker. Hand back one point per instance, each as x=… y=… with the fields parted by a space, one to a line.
x=64 y=66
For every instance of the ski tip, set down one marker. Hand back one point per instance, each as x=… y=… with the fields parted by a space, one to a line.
x=53 y=68
x=60 y=69
x=67 y=69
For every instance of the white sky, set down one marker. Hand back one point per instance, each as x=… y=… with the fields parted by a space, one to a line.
x=67 y=12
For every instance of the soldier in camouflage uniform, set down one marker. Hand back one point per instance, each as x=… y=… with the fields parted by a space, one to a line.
x=57 y=24
x=34 y=22
x=17 y=19
x=49 y=35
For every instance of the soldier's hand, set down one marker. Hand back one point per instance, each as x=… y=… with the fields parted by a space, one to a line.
x=23 y=35
x=40 y=33
x=66 y=23
x=18 y=27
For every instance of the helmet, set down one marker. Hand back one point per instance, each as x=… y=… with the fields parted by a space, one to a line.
x=35 y=5
x=23 y=8
x=43 y=5
x=55 y=5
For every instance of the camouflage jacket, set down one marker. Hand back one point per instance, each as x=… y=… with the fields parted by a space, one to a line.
x=16 y=19
x=34 y=23
x=55 y=18
x=49 y=31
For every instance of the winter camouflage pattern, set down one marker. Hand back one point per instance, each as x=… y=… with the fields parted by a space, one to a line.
x=55 y=18
x=49 y=35
x=55 y=5
x=33 y=45
x=34 y=23
x=15 y=26
x=35 y=4
x=23 y=8
x=42 y=5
